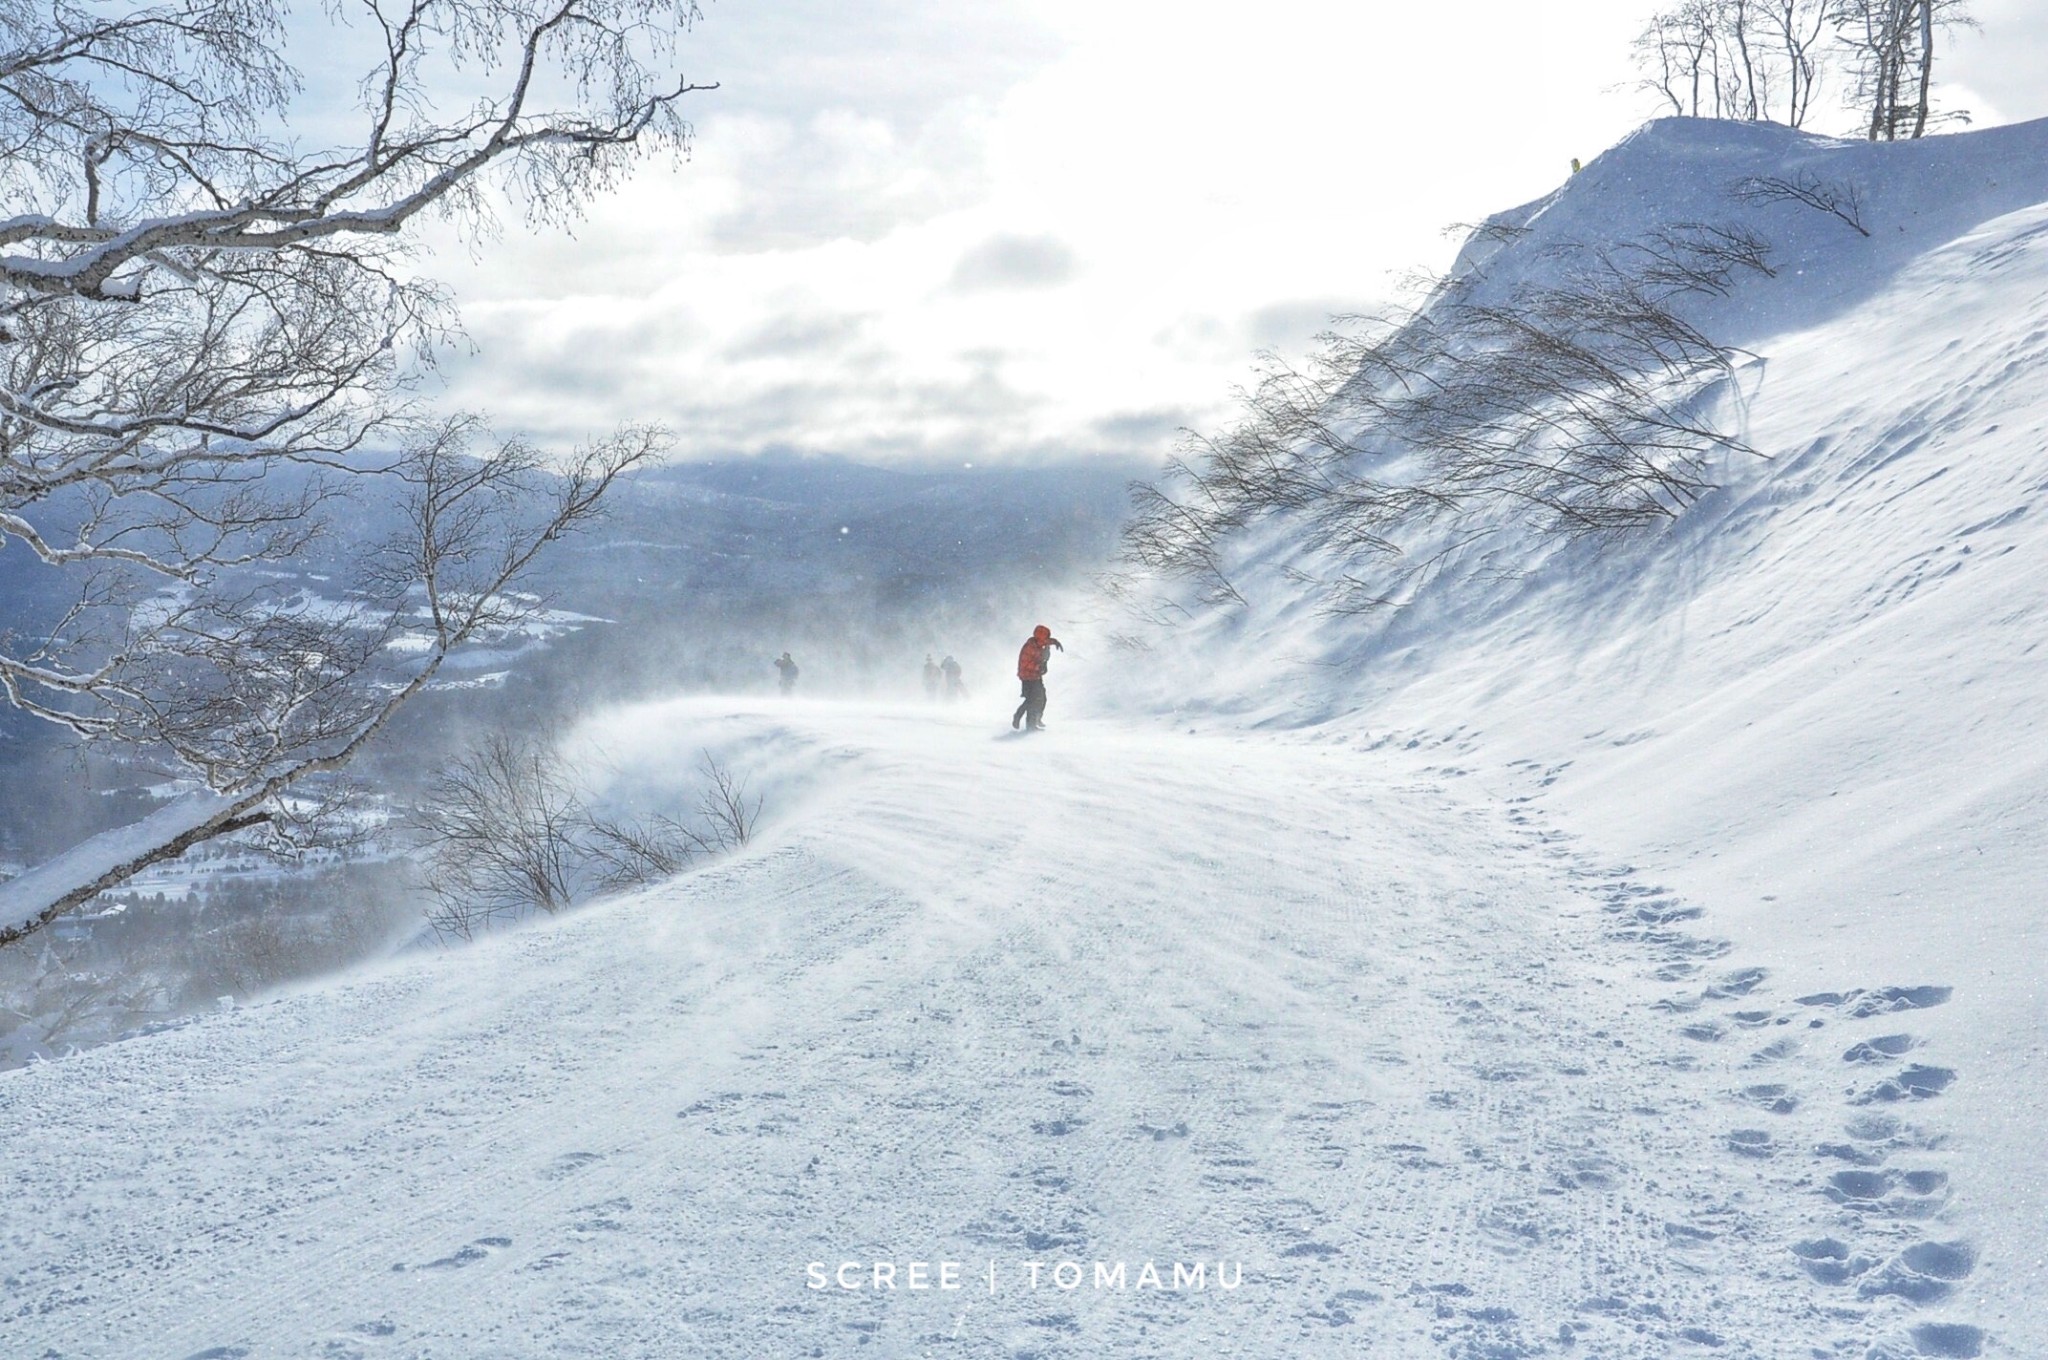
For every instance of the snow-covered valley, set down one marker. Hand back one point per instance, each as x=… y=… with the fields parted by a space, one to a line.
x=1627 y=949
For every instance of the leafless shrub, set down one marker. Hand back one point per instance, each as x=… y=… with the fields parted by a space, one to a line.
x=502 y=828
x=724 y=806
x=1574 y=407
x=54 y=1000
x=1697 y=257
x=628 y=853
x=249 y=953
x=1840 y=199
x=506 y=831
x=1493 y=229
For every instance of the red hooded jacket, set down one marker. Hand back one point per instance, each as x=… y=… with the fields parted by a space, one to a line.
x=1031 y=661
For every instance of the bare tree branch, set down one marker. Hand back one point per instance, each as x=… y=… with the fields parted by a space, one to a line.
x=193 y=306
x=1839 y=199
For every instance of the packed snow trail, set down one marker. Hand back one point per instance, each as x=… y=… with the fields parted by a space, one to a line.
x=1433 y=1081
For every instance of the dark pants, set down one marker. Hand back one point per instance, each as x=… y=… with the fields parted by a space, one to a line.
x=1032 y=710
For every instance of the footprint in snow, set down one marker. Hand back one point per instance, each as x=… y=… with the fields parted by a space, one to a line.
x=1512 y=1229
x=1494 y=1333
x=1880 y=1001
x=1886 y=1000
x=1914 y=1083
x=1775 y=1051
x=568 y=1164
x=1770 y=1097
x=1932 y=1341
x=1664 y=913
x=716 y=1104
x=1679 y=946
x=604 y=1216
x=1831 y=1262
x=463 y=1256
x=1340 y=1309
x=1880 y=1049
x=1923 y=1273
x=1065 y=1236
x=1683 y=1235
x=1948 y=1340
x=1587 y=1171
x=1752 y=1143
x=1874 y=1137
x=1737 y=984
x=1888 y=1194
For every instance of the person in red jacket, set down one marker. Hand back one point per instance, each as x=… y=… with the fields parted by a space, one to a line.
x=1031 y=670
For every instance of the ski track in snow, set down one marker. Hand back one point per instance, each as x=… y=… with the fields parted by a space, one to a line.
x=1444 y=1082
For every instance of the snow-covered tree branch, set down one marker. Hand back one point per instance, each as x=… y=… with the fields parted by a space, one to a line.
x=209 y=331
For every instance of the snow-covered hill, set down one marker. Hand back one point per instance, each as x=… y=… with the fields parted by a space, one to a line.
x=1627 y=949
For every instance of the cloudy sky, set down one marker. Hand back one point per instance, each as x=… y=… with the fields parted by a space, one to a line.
x=988 y=230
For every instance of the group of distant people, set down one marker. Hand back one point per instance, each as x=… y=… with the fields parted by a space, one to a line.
x=944 y=677
x=947 y=673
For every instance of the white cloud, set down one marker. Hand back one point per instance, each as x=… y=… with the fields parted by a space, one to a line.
x=1006 y=260
x=1018 y=226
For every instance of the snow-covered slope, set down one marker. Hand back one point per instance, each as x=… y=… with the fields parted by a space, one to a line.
x=1812 y=704
x=1374 y=1050
x=1636 y=956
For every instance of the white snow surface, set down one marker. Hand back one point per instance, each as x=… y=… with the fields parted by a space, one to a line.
x=1639 y=957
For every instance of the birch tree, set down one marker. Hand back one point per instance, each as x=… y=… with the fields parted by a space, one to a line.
x=1759 y=60
x=1766 y=60
x=209 y=330
x=1891 y=47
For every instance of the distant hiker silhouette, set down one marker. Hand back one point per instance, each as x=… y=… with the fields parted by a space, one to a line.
x=1031 y=663
x=787 y=667
x=954 y=689
x=931 y=676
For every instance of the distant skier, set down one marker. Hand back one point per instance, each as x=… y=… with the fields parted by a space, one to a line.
x=954 y=689
x=1031 y=663
x=931 y=676
x=787 y=666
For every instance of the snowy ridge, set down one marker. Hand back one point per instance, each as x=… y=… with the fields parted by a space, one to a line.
x=1808 y=704
x=1912 y=197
